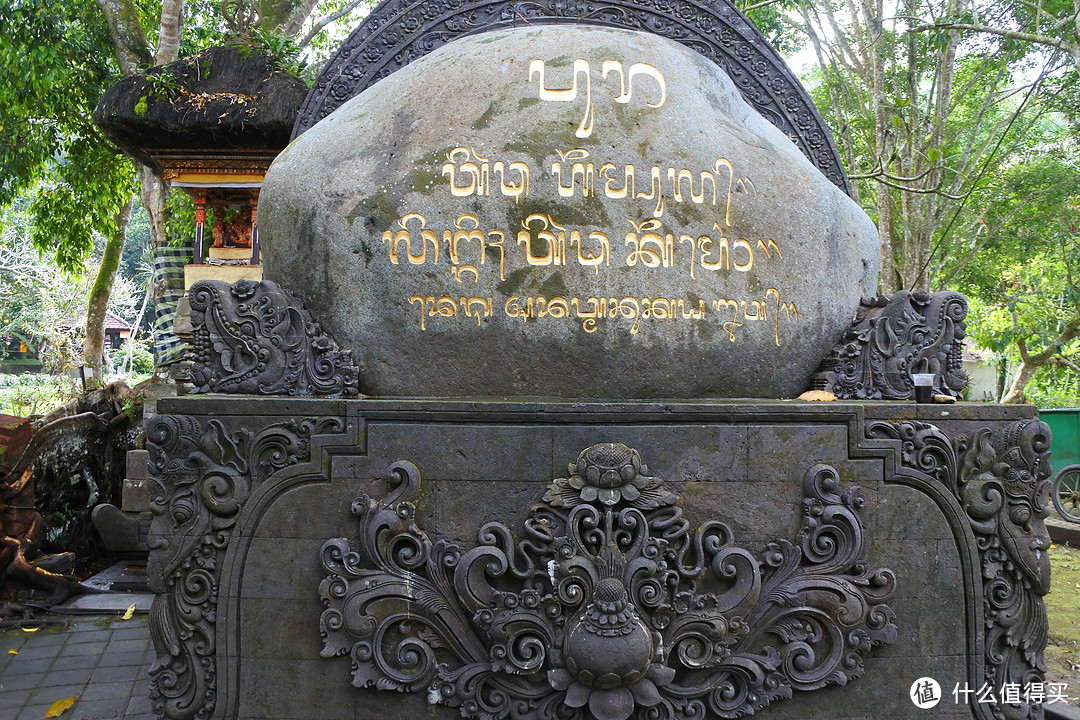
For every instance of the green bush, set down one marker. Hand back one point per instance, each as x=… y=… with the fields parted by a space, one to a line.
x=34 y=394
x=142 y=360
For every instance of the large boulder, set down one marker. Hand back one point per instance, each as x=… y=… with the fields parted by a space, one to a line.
x=566 y=211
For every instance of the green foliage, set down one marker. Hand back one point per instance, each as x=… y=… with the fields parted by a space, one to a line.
x=286 y=53
x=32 y=395
x=162 y=84
x=142 y=362
x=55 y=62
x=919 y=155
x=204 y=26
x=36 y=297
x=180 y=218
x=773 y=20
x=1025 y=286
x=43 y=303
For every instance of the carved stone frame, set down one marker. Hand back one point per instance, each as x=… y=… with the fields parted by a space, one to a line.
x=217 y=475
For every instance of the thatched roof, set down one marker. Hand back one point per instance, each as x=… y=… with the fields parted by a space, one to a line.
x=230 y=97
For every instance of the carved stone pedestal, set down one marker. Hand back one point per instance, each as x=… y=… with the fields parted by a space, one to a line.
x=436 y=559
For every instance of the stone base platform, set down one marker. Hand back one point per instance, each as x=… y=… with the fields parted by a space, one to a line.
x=413 y=559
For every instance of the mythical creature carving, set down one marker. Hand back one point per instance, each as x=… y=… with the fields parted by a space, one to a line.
x=397 y=33
x=1003 y=484
x=204 y=474
x=609 y=606
x=893 y=337
x=256 y=338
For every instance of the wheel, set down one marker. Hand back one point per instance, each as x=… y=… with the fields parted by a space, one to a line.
x=1066 y=493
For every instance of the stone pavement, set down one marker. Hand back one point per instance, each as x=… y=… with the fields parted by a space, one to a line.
x=100 y=660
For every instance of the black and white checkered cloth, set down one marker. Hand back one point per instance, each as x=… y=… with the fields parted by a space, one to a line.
x=169 y=265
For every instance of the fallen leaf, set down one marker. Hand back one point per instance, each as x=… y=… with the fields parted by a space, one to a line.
x=59 y=707
x=12 y=651
x=817 y=396
x=129 y=613
x=33 y=629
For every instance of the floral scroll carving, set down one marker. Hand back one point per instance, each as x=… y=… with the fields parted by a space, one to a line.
x=256 y=338
x=608 y=606
x=1002 y=482
x=891 y=338
x=204 y=473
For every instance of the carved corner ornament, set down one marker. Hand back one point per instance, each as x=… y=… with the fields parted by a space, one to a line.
x=256 y=338
x=608 y=605
x=893 y=337
x=1001 y=482
x=203 y=475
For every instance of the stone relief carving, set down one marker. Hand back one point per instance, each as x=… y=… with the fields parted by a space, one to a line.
x=399 y=31
x=891 y=338
x=608 y=606
x=256 y=338
x=1003 y=485
x=204 y=475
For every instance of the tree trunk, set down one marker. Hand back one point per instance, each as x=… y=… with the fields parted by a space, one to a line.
x=94 y=347
x=128 y=39
x=129 y=356
x=1016 y=388
x=872 y=15
x=168 y=45
x=295 y=20
x=153 y=193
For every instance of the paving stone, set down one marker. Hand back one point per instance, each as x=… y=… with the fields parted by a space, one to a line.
x=107 y=690
x=72 y=676
x=56 y=691
x=125 y=659
x=33 y=712
x=133 y=633
x=28 y=667
x=105 y=708
x=80 y=636
x=35 y=653
x=115 y=674
x=60 y=664
x=12 y=699
x=83 y=650
x=117 y=647
x=19 y=682
x=49 y=639
x=139 y=707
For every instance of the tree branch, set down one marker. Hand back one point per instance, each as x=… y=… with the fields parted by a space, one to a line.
x=318 y=26
x=1001 y=32
x=755 y=6
x=1065 y=363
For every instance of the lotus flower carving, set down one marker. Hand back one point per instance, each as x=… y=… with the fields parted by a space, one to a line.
x=609 y=606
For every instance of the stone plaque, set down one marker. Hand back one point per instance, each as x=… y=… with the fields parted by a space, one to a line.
x=404 y=559
x=566 y=210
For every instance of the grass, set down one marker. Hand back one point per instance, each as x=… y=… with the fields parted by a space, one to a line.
x=1063 y=610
